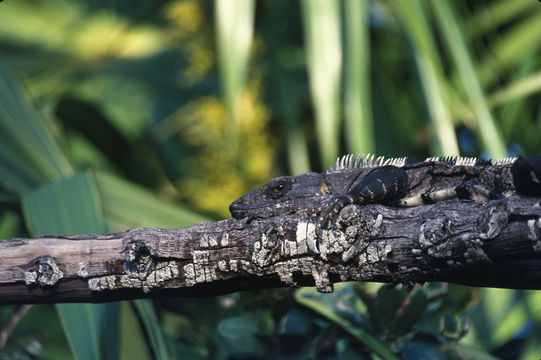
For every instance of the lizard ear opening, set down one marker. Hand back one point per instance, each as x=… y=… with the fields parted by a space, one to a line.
x=278 y=188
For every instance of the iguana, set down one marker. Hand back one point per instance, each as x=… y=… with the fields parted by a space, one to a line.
x=394 y=182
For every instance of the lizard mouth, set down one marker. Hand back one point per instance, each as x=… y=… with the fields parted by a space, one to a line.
x=237 y=213
x=239 y=210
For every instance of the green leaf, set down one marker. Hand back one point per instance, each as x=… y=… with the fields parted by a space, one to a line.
x=293 y=322
x=359 y=130
x=289 y=101
x=237 y=336
x=533 y=302
x=383 y=310
x=9 y=224
x=507 y=321
x=321 y=21
x=92 y=329
x=496 y=14
x=145 y=309
x=127 y=205
x=132 y=336
x=234 y=29
x=72 y=206
x=522 y=88
x=461 y=299
x=486 y=126
x=29 y=154
x=499 y=317
x=310 y=298
x=510 y=48
x=415 y=22
x=68 y=206
x=410 y=312
x=422 y=351
x=237 y=327
x=469 y=352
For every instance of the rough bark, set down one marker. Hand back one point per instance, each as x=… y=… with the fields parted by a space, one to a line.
x=495 y=244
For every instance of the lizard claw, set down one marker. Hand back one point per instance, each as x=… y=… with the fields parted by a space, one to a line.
x=328 y=216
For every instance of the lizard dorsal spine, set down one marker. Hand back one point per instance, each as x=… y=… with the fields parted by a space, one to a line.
x=351 y=161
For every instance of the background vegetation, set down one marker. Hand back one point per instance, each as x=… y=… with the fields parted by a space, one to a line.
x=123 y=114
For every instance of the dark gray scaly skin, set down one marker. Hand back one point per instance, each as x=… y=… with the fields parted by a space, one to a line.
x=393 y=182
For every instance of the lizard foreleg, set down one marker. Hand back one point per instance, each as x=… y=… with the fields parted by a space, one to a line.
x=382 y=186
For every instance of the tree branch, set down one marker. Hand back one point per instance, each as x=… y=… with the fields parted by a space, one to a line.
x=495 y=244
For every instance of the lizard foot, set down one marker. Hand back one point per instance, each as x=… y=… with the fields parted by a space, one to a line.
x=329 y=215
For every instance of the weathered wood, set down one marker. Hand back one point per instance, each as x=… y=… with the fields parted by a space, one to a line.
x=497 y=243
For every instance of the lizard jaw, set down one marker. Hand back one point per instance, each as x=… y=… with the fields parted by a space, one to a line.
x=239 y=210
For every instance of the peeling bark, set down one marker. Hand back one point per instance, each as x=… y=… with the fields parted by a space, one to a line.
x=497 y=244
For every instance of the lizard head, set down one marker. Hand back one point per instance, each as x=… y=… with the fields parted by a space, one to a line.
x=281 y=196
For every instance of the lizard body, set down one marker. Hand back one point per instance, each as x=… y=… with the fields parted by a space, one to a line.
x=394 y=182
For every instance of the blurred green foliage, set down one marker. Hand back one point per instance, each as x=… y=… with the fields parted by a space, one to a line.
x=115 y=115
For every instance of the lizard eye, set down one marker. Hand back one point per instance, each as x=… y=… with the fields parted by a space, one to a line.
x=278 y=189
